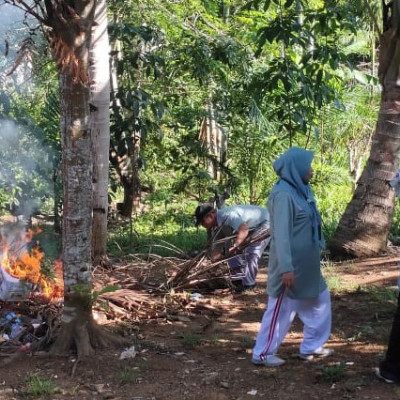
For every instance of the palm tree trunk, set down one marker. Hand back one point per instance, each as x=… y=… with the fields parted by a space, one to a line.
x=364 y=227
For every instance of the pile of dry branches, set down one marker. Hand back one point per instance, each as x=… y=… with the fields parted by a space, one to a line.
x=196 y=271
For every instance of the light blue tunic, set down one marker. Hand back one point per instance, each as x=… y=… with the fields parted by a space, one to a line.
x=295 y=229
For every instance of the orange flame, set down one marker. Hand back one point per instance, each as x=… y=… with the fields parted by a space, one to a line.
x=26 y=265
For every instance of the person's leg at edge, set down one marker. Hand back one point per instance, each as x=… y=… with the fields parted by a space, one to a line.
x=316 y=316
x=390 y=366
x=275 y=324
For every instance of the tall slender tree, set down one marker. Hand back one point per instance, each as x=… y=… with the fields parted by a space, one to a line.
x=99 y=71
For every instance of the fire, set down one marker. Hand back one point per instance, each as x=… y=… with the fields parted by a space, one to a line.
x=54 y=289
x=26 y=265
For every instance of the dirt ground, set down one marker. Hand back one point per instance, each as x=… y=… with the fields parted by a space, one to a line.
x=206 y=356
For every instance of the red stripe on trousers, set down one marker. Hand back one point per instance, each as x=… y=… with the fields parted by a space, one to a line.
x=273 y=325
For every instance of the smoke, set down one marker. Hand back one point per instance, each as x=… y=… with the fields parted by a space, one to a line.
x=11 y=27
x=15 y=38
x=25 y=169
x=25 y=165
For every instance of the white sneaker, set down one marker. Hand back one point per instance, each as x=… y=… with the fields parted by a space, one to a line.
x=270 y=361
x=387 y=378
x=322 y=352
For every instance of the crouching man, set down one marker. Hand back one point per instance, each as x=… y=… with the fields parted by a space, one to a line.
x=243 y=221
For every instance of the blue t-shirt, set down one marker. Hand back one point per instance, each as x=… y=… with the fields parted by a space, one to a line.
x=234 y=216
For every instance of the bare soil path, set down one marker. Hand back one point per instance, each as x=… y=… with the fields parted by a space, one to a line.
x=203 y=357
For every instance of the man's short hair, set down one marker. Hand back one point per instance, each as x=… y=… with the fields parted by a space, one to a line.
x=201 y=211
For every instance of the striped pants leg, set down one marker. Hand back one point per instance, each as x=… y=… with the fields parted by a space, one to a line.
x=315 y=313
x=275 y=324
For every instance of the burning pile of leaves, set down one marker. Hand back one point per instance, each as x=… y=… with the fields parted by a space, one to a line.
x=30 y=300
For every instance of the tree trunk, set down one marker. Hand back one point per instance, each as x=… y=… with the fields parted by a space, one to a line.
x=364 y=227
x=99 y=72
x=129 y=171
x=213 y=139
x=77 y=204
x=70 y=40
x=57 y=205
x=125 y=153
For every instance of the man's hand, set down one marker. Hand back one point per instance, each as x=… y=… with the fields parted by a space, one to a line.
x=288 y=280
x=233 y=248
x=242 y=234
x=215 y=255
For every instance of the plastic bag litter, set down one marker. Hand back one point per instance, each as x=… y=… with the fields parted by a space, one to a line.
x=129 y=352
x=196 y=296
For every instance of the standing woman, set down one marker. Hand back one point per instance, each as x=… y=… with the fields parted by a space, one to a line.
x=295 y=285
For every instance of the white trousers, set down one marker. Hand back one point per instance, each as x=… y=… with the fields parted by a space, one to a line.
x=315 y=313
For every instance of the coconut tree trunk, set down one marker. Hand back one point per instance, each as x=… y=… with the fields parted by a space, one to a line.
x=364 y=227
x=99 y=72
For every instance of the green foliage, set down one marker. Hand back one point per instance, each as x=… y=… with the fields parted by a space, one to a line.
x=30 y=140
x=91 y=296
x=277 y=73
x=300 y=43
x=49 y=242
x=166 y=229
x=333 y=190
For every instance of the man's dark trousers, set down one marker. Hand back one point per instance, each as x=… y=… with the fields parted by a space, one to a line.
x=391 y=364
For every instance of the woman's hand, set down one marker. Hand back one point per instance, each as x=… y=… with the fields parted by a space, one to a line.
x=288 y=280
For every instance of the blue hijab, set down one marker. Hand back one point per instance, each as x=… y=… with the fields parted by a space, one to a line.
x=292 y=168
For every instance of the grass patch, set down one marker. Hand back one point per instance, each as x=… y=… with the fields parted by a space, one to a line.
x=127 y=374
x=333 y=373
x=334 y=280
x=215 y=339
x=246 y=342
x=379 y=294
x=166 y=239
x=191 y=340
x=38 y=386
